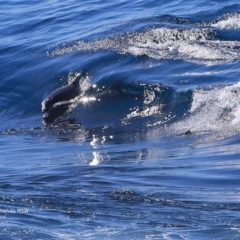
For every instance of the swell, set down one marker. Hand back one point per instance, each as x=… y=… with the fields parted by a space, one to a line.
x=207 y=114
x=119 y=102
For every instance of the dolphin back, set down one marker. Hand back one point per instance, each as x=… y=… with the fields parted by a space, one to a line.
x=62 y=94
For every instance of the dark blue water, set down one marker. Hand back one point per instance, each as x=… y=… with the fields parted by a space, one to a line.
x=150 y=150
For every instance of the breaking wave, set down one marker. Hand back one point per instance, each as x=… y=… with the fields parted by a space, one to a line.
x=211 y=109
x=191 y=43
x=228 y=21
x=214 y=111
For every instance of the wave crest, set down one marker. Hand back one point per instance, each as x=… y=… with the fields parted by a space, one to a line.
x=196 y=44
x=228 y=21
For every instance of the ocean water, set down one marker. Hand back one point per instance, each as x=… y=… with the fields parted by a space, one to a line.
x=150 y=149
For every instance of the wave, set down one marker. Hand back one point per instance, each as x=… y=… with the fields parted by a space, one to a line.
x=208 y=113
x=214 y=114
x=211 y=109
x=125 y=101
x=227 y=21
x=199 y=42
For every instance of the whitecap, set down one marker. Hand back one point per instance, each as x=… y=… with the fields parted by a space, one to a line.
x=228 y=21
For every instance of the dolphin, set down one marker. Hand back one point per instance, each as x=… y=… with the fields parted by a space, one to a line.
x=57 y=103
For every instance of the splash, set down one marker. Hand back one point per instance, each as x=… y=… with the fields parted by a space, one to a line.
x=145 y=111
x=84 y=83
x=228 y=21
x=212 y=110
x=221 y=104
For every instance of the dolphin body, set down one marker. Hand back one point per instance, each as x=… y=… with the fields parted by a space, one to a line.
x=57 y=103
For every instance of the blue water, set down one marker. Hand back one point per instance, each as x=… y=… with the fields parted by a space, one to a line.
x=153 y=151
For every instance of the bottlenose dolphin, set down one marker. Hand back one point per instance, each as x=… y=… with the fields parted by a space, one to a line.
x=57 y=103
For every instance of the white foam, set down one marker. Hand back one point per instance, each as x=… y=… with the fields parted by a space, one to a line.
x=146 y=111
x=213 y=109
x=149 y=96
x=165 y=43
x=229 y=21
x=210 y=73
